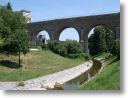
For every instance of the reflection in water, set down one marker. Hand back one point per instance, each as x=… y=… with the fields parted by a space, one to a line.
x=89 y=76
x=73 y=84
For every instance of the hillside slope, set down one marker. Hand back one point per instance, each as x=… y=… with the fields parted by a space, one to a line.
x=108 y=79
x=34 y=64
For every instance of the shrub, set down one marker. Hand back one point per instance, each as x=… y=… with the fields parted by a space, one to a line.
x=87 y=57
x=52 y=45
x=81 y=55
x=0 y=49
x=44 y=47
x=73 y=47
x=63 y=51
x=116 y=48
x=72 y=56
x=69 y=48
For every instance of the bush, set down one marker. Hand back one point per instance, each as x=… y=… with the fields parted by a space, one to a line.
x=87 y=57
x=72 y=56
x=0 y=49
x=116 y=48
x=63 y=51
x=69 y=48
x=73 y=47
x=52 y=45
x=44 y=47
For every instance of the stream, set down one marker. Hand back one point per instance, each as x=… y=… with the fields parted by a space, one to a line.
x=76 y=82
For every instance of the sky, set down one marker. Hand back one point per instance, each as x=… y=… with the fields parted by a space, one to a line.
x=56 y=9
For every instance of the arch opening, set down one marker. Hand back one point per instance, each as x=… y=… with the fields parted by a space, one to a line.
x=42 y=38
x=69 y=34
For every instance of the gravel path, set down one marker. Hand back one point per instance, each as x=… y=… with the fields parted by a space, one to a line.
x=48 y=81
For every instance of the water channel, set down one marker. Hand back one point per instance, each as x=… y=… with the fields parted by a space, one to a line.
x=76 y=82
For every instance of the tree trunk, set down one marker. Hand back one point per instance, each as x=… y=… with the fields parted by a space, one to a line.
x=19 y=60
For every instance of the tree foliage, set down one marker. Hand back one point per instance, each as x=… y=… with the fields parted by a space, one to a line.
x=116 y=48
x=6 y=21
x=110 y=37
x=98 y=41
x=69 y=48
x=9 y=6
x=13 y=32
x=103 y=40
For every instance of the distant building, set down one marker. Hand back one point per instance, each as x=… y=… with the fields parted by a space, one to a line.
x=41 y=39
x=26 y=14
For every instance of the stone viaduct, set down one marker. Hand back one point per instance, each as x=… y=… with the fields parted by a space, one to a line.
x=83 y=25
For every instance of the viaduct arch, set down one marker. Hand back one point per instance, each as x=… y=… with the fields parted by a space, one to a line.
x=82 y=24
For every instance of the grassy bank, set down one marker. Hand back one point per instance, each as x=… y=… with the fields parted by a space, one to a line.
x=108 y=79
x=35 y=64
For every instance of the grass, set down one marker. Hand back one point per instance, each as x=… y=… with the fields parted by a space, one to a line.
x=35 y=64
x=101 y=55
x=108 y=79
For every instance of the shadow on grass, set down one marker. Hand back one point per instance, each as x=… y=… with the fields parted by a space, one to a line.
x=9 y=64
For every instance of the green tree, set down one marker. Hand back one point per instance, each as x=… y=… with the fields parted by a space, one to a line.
x=90 y=44
x=6 y=20
x=116 y=48
x=13 y=32
x=109 y=37
x=9 y=6
x=98 y=41
x=17 y=43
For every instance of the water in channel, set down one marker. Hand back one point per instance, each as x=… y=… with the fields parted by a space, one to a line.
x=76 y=82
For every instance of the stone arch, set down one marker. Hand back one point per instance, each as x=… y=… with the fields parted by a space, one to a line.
x=36 y=32
x=82 y=24
x=100 y=24
x=87 y=31
x=69 y=27
x=93 y=26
